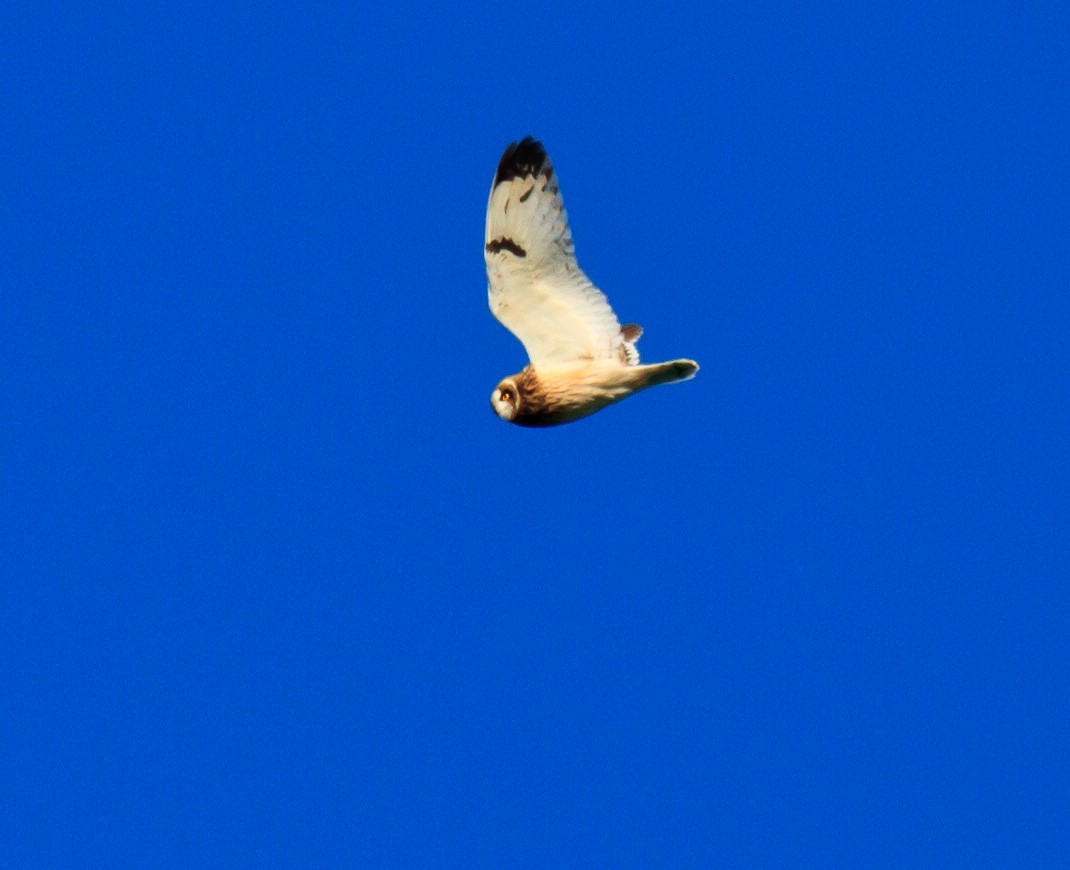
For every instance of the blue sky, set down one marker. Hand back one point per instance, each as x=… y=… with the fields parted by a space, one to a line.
x=280 y=590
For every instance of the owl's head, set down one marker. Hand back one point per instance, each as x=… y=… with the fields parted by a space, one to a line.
x=505 y=400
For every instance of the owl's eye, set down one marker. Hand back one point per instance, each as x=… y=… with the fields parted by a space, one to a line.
x=507 y=395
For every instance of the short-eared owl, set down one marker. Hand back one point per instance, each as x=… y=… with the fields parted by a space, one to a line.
x=581 y=358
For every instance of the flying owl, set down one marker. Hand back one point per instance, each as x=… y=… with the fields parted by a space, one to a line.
x=581 y=358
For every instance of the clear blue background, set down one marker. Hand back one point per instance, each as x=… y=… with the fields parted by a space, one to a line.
x=278 y=588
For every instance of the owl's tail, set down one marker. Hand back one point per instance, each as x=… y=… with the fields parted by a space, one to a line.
x=670 y=372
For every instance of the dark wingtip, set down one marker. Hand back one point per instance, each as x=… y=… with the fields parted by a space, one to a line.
x=685 y=369
x=520 y=159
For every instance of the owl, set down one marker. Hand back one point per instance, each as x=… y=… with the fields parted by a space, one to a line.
x=581 y=358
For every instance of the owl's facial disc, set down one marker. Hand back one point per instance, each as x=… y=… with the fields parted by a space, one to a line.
x=505 y=399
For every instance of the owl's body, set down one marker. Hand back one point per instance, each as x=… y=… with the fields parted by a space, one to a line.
x=547 y=397
x=582 y=359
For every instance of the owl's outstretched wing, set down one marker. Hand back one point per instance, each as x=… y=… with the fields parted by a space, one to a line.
x=535 y=286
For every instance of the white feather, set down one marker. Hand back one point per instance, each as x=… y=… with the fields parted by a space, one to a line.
x=535 y=286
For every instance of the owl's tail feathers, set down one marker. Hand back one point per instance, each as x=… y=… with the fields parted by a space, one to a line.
x=670 y=372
